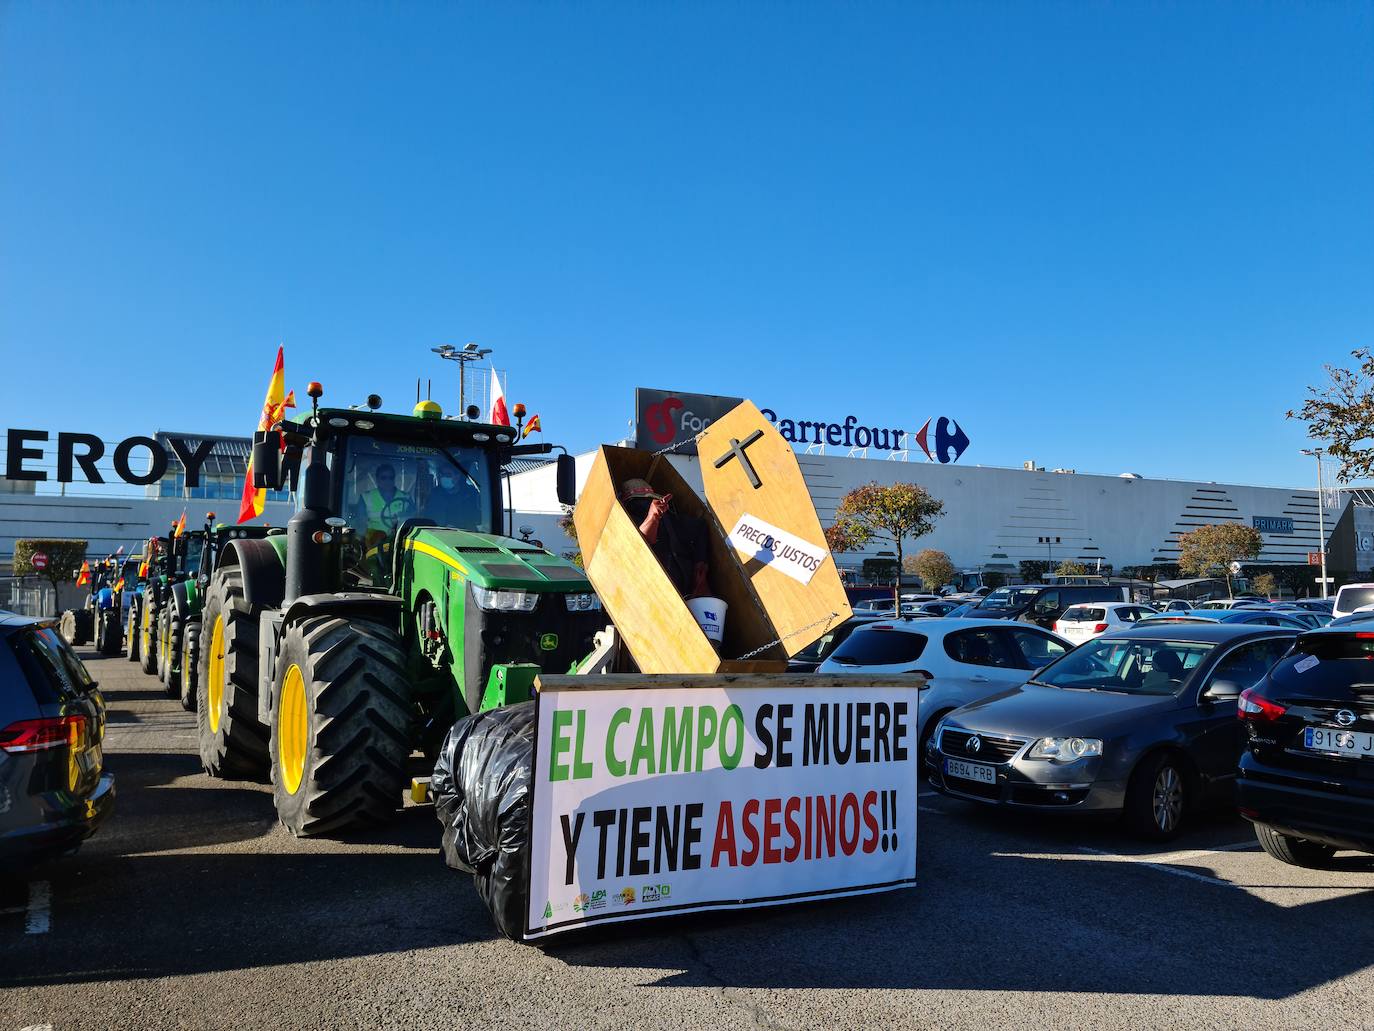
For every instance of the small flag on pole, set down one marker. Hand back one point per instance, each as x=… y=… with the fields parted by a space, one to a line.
x=499 y=415
x=532 y=426
x=84 y=577
x=180 y=526
x=274 y=408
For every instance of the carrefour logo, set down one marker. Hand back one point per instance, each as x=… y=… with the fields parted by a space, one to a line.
x=949 y=443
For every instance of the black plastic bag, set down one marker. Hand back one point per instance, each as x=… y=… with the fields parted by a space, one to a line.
x=481 y=789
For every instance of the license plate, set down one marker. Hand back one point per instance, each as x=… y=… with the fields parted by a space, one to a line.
x=1347 y=742
x=981 y=772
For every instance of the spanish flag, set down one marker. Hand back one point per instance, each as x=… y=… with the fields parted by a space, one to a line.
x=274 y=408
x=143 y=570
x=84 y=576
x=532 y=427
x=179 y=527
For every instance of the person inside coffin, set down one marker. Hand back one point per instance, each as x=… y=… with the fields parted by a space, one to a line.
x=678 y=540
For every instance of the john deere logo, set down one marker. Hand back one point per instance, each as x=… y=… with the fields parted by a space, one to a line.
x=549 y=642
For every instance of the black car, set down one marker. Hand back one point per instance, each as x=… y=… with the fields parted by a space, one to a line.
x=53 y=788
x=1042 y=604
x=1307 y=773
x=1140 y=722
x=806 y=660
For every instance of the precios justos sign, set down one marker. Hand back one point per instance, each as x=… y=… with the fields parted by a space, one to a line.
x=26 y=449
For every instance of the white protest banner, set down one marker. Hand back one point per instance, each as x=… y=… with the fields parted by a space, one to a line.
x=773 y=546
x=717 y=793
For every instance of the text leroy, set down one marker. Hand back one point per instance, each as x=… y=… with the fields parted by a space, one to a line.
x=681 y=739
x=84 y=450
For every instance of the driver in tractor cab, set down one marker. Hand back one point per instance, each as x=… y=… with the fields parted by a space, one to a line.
x=387 y=506
x=453 y=501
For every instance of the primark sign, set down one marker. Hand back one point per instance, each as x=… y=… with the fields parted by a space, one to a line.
x=668 y=420
x=26 y=454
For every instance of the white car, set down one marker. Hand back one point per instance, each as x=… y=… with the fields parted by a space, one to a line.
x=1232 y=603
x=1353 y=598
x=962 y=660
x=1081 y=623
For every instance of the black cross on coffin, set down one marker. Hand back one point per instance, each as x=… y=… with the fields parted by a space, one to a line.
x=737 y=451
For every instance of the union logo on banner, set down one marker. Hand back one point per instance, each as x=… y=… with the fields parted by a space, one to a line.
x=950 y=440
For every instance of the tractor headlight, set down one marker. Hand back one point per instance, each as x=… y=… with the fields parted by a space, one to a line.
x=582 y=602
x=500 y=600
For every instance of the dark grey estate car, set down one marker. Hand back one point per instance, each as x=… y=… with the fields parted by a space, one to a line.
x=53 y=788
x=1141 y=722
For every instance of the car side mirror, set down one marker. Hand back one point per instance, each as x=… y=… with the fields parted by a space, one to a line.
x=266 y=460
x=1222 y=691
x=566 y=471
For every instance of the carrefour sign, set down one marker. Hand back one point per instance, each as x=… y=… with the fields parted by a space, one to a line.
x=669 y=420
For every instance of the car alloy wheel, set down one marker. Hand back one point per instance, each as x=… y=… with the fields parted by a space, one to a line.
x=1168 y=799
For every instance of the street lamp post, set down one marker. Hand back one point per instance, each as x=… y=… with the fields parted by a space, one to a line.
x=468 y=353
x=1316 y=452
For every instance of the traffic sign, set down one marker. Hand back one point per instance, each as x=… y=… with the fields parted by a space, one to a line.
x=39 y=560
x=1325 y=579
x=1314 y=558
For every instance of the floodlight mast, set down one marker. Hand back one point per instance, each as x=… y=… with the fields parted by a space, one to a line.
x=1316 y=452
x=470 y=352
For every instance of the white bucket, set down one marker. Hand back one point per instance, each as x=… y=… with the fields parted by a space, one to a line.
x=710 y=616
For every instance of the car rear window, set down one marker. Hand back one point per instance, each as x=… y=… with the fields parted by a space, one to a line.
x=1324 y=665
x=53 y=671
x=873 y=646
x=1351 y=598
x=1084 y=614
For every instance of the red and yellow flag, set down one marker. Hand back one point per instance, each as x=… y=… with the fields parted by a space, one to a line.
x=84 y=576
x=532 y=427
x=143 y=570
x=274 y=408
x=179 y=526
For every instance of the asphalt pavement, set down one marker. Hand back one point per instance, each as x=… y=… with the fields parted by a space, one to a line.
x=194 y=908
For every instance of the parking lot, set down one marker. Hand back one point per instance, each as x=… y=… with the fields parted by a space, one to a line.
x=193 y=908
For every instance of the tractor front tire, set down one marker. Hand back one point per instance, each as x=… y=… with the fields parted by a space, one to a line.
x=341 y=726
x=85 y=626
x=131 y=631
x=147 y=638
x=232 y=741
x=107 y=633
x=190 y=664
x=171 y=659
x=67 y=626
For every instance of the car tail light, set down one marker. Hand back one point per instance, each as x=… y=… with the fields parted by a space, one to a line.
x=43 y=734
x=1253 y=706
x=1100 y=628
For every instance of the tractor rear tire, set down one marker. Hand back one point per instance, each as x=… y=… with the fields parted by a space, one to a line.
x=342 y=726
x=190 y=664
x=232 y=741
x=147 y=637
x=131 y=631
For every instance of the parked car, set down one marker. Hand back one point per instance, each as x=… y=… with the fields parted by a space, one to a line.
x=1084 y=622
x=53 y=787
x=1042 y=604
x=1316 y=604
x=1140 y=722
x=1260 y=617
x=1173 y=605
x=961 y=659
x=806 y=660
x=1232 y=603
x=1306 y=780
x=1351 y=598
x=961 y=611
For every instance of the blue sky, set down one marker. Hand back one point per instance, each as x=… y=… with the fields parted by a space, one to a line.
x=1104 y=236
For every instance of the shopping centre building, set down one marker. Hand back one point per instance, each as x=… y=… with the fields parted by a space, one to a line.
x=996 y=518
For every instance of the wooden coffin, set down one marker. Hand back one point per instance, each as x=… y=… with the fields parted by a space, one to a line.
x=767 y=609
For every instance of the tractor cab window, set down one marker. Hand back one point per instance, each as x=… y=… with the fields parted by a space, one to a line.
x=386 y=483
x=194 y=546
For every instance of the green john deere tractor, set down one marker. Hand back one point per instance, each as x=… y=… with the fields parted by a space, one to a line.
x=392 y=604
x=179 y=635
